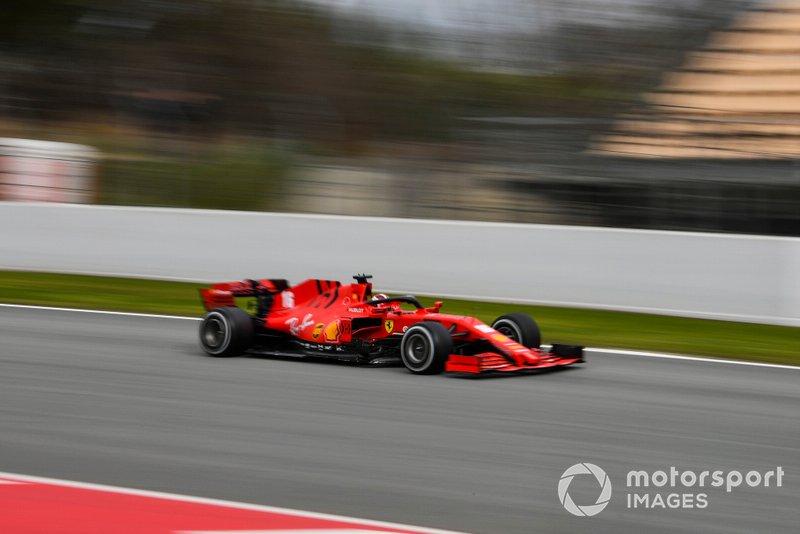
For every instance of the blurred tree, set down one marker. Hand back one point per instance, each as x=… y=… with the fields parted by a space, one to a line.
x=292 y=70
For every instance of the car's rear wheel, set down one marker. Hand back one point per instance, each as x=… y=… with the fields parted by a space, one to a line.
x=227 y=331
x=425 y=348
x=520 y=328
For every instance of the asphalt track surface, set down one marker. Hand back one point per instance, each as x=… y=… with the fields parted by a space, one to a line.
x=130 y=401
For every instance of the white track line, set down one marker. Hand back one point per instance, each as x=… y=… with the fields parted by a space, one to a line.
x=621 y=352
x=691 y=358
x=99 y=312
x=218 y=502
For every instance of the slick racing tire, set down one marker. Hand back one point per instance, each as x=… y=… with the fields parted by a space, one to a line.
x=425 y=348
x=520 y=328
x=226 y=332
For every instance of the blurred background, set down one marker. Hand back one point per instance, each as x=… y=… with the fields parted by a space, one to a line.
x=681 y=115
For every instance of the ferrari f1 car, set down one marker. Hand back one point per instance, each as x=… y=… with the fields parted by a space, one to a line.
x=324 y=318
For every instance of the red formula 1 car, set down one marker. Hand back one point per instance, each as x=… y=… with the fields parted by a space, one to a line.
x=324 y=318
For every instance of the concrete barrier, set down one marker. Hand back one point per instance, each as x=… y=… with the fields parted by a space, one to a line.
x=741 y=278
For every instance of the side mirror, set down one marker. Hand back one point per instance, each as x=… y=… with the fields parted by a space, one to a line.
x=435 y=308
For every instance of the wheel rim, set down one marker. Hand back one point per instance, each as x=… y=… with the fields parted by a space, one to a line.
x=508 y=330
x=213 y=333
x=417 y=350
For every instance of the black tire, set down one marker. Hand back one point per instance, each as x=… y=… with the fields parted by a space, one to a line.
x=227 y=331
x=568 y=351
x=425 y=348
x=519 y=327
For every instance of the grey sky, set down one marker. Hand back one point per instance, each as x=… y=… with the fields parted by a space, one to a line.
x=500 y=14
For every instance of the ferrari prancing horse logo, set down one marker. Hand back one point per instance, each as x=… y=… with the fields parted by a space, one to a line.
x=388 y=325
x=317 y=330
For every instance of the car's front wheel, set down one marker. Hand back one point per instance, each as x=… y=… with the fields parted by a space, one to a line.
x=226 y=331
x=425 y=348
x=520 y=328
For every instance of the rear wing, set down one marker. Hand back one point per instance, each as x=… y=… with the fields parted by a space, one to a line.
x=222 y=294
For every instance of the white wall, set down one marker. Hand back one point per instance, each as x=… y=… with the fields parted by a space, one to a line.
x=743 y=278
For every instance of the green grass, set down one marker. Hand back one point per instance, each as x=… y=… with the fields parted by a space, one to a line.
x=100 y=293
x=586 y=327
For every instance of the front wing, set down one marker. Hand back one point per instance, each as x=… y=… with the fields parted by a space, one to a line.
x=491 y=362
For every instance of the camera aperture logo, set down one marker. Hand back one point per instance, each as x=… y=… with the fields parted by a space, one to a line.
x=589 y=510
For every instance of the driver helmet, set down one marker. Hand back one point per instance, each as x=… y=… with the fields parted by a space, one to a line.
x=380 y=296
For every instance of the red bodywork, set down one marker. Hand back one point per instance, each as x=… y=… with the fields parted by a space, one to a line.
x=326 y=314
